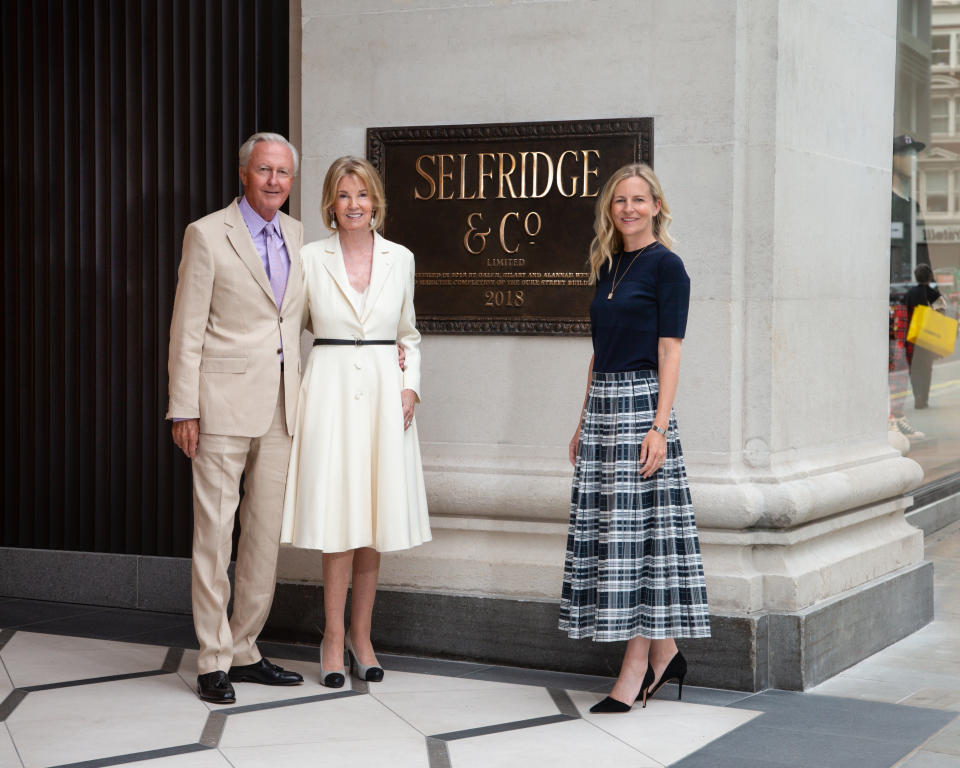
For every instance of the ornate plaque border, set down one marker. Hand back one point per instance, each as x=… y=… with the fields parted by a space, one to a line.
x=639 y=128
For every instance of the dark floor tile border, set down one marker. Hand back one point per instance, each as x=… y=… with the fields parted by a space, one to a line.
x=564 y=703
x=515 y=725
x=213 y=729
x=265 y=705
x=93 y=680
x=11 y=702
x=438 y=756
x=133 y=757
x=173 y=659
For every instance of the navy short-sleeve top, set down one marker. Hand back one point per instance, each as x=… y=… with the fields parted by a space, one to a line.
x=650 y=301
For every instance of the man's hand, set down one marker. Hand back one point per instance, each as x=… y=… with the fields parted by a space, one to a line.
x=186 y=434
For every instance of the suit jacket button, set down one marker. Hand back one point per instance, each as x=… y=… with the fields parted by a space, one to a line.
x=280 y=351
x=281 y=319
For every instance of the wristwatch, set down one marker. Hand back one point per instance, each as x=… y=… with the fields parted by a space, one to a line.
x=655 y=428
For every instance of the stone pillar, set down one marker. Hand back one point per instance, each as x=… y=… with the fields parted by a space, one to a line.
x=772 y=133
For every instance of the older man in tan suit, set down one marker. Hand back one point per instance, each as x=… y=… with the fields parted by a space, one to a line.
x=234 y=374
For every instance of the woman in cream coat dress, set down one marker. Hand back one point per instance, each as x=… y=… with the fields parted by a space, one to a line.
x=355 y=482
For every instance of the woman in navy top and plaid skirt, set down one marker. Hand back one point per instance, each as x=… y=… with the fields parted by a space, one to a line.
x=633 y=569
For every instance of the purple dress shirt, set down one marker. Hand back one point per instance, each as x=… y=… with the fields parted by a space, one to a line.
x=278 y=267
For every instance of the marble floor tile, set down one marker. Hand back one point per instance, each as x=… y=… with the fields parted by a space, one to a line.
x=946 y=741
x=853 y=687
x=924 y=759
x=409 y=682
x=254 y=693
x=208 y=758
x=544 y=678
x=350 y=718
x=666 y=730
x=36 y=659
x=438 y=712
x=396 y=752
x=571 y=743
x=934 y=698
x=8 y=753
x=105 y=719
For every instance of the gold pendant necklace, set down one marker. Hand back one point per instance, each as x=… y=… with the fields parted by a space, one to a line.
x=615 y=282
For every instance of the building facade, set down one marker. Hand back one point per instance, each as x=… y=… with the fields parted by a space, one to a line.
x=772 y=129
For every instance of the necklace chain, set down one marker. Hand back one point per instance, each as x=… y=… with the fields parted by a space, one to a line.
x=616 y=282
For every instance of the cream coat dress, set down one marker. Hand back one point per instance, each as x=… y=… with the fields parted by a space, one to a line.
x=355 y=477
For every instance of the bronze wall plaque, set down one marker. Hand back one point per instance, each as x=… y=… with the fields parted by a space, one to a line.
x=500 y=217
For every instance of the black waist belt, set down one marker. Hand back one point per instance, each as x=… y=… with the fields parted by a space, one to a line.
x=351 y=342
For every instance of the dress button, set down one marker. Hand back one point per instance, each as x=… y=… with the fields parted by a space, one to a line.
x=358 y=365
x=356 y=396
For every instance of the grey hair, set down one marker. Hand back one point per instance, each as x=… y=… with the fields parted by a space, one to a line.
x=247 y=148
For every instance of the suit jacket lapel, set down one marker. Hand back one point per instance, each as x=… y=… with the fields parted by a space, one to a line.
x=382 y=264
x=240 y=239
x=296 y=265
x=333 y=262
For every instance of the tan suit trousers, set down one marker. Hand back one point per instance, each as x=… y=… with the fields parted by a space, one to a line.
x=217 y=469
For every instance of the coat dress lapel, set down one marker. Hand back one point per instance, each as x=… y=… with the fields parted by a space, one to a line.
x=382 y=264
x=239 y=237
x=333 y=263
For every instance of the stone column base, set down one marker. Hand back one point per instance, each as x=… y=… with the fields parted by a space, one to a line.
x=791 y=651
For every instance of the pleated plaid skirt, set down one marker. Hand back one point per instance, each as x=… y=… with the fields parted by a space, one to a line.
x=633 y=565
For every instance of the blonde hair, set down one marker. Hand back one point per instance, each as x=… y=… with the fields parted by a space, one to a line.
x=350 y=165
x=607 y=240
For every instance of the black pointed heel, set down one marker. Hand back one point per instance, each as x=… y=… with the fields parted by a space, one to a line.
x=610 y=705
x=613 y=705
x=676 y=670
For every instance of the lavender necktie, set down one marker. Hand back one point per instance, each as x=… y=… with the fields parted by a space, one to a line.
x=276 y=276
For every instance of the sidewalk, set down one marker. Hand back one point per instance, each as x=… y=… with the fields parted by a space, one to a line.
x=88 y=686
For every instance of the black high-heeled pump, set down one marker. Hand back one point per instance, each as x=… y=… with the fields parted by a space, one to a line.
x=676 y=670
x=611 y=705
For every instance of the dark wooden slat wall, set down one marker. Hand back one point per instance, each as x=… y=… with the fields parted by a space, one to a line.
x=121 y=121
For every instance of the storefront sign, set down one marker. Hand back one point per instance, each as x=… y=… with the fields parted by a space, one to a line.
x=500 y=217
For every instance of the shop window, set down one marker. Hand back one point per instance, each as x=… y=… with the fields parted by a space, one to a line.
x=940 y=50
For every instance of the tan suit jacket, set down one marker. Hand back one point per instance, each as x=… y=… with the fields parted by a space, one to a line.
x=226 y=334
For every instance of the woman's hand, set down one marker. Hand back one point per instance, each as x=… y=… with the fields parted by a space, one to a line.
x=653 y=452
x=574 y=442
x=408 y=399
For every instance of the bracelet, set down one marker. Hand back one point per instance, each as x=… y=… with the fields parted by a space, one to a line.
x=659 y=430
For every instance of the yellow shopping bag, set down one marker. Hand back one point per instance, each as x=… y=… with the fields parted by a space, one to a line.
x=931 y=330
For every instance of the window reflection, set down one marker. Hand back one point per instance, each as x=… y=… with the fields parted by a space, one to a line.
x=925 y=233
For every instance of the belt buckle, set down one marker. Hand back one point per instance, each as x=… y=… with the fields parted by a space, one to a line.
x=357 y=342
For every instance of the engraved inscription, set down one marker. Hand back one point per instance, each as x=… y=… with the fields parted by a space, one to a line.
x=500 y=217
